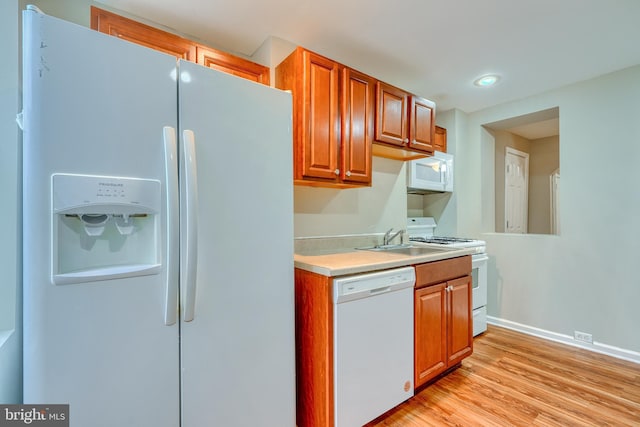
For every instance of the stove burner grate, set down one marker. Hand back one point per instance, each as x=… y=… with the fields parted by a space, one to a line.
x=440 y=240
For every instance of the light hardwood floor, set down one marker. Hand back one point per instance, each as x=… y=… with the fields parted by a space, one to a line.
x=513 y=379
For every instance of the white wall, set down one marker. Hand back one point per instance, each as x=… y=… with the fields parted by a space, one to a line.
x=586 y=279
x=10 y=249
x=375 y=209
x=444 y=206
x=544 y=161
x=76 y=11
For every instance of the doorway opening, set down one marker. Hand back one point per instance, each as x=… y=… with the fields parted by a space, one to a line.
x=527 y=172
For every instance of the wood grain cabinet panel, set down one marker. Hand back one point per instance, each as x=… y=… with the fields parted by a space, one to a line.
x=182 y=48
x=422 y=119
x=440 y=142
x=430 y=333
x=314 y=349
x=459 y=320
x=357 y=125
x=391 y=115
x=320 y=146
x=404 y=124
x=332 y=120
x=239 y=67
x=443 y=328
x=139 y=33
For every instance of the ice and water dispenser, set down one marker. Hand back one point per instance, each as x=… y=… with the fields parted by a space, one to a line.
x=104 y=228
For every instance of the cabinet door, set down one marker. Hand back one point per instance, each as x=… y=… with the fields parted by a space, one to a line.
x=440 y=142
x=357 y=125
x=430 y=330
x=231 y=64
x=421 y=124
x=459 y=320
x=391 y=115
x=136 y=32
x=321 y=118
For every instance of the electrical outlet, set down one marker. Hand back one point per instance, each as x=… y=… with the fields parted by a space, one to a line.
x=583 y=336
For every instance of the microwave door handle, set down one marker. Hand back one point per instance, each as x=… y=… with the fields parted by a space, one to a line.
x=443 y=175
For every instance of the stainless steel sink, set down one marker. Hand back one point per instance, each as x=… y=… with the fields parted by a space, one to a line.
x=403 y=249
x=415 y=251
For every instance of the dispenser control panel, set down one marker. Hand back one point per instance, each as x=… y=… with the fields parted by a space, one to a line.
x=81 y=193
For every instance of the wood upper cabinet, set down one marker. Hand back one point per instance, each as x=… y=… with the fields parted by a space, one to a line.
x=391 y=115
x=332 y=120
x=422 y=122
x=404 y=124
x=181 y=48
x=224 y=62
x=443 y=329
x=440 y=142
x=357 y=125
x=139 y=33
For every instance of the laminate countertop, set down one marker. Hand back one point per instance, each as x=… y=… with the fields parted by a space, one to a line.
x=346 y=261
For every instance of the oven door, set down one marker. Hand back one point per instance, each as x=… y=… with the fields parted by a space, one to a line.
x=479 y=275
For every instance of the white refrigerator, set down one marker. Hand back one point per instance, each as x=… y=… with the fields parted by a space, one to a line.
x=158 y=236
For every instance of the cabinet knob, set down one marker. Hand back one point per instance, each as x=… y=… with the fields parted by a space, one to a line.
x=406 y=140
x=348 y=173
x=337 y=171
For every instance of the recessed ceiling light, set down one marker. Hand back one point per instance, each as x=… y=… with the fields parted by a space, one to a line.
x=487 y=80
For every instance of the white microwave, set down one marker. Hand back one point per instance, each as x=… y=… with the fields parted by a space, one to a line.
x=430 y=174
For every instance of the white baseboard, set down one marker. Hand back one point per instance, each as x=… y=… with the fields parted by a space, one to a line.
x=619 y=353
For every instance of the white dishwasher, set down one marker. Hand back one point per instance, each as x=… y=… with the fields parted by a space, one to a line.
x=373 y=344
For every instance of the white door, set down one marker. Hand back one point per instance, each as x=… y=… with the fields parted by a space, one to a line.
x=94 y=105
x=516 y=195
x=237 y=351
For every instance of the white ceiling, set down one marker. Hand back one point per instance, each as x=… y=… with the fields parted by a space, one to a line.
x=433 y=48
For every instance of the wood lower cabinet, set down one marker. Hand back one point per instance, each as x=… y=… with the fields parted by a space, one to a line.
x=314 y=350
x=442 y=332
x=404 y=124
x=430 y=331
x=443 y=328
x=332 y=120
x=182 y=48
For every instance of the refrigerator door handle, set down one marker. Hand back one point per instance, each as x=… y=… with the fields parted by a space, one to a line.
x=189 y=219
x=172 y=224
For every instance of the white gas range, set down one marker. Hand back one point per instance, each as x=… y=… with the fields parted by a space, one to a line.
x=421 y=229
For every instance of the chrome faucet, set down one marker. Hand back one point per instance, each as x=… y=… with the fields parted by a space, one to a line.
x=388 y=237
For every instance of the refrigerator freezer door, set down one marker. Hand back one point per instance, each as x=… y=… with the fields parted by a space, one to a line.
x=237 y=353
x=95 y=105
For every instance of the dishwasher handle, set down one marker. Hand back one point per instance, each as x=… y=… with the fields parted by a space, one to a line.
x=378 y=291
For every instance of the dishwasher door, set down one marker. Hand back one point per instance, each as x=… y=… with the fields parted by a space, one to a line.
x=373 y=344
